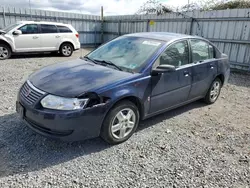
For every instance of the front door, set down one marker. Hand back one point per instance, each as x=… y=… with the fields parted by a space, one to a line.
x=204 y=69
x=172 y=88
x=29 y=40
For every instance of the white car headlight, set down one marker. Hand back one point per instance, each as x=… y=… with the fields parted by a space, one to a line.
x=61 y=103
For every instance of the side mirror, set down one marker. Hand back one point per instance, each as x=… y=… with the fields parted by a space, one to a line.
x=17 y=32
x=163 y=68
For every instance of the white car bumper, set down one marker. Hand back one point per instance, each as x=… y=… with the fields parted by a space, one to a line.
x=77 y=46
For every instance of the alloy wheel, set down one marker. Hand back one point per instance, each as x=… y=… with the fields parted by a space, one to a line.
x=215 y=91
x=123 y=123
x=3 y=52
x=66 y=50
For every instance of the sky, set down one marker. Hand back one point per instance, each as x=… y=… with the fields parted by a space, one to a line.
x=111 y=7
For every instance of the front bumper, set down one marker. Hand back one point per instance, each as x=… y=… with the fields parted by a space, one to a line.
x=64 y=125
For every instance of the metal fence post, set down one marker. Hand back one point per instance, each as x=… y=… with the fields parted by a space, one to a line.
x=191 y=26
x=147 y=26
x=102 y=24
x=95 y=35
x=4 y=19
x=119 y=27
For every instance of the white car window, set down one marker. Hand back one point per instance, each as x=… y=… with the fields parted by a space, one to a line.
x=48 y=28
x=29 y=29
x=64 y=29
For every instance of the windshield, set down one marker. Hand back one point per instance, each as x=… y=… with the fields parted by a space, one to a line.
x=10 y=27
x=127 y=52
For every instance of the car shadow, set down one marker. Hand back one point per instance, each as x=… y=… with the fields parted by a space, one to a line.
x=169 y=114
x=22 y=150
x=80 y=52
x=35 y=55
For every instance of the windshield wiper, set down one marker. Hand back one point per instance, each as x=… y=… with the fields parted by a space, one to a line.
x=90 y=59
x=108 y=63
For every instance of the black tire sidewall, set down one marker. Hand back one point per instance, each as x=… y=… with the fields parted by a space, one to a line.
x=106 y=128
x=9 y=51
x=207 y=98
x=66 y=44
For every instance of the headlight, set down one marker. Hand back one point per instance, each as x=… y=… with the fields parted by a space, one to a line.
x=61 y=103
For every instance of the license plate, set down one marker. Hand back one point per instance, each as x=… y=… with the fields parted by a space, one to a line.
x=20 y=109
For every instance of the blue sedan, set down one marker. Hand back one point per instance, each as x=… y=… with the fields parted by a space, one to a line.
x=131 y=78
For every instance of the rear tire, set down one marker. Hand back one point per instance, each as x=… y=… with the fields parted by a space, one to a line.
x=120 y=123
x=66 y=49
x=5 y=52
x=213 y=92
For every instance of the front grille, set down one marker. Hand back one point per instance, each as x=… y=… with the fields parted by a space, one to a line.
x=30 y=94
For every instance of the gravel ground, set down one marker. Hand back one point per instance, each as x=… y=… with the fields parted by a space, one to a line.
x=192 y=146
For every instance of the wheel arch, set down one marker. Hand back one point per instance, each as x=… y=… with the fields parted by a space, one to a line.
x=67 y=42
x=135 y=100
x=6 y=43
x=221 y=77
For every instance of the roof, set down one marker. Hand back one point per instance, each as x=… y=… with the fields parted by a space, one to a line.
x=41 y=22
x=163 y=36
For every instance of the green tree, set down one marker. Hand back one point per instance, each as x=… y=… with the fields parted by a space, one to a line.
x=235 y=4
x=216 y=5
x=154 y=7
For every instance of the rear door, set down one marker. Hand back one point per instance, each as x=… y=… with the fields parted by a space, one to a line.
x=205 y=68
x=50 y=38
x=29 y=40
x=172 y=88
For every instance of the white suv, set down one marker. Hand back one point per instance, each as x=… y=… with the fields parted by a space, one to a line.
x=38 y=36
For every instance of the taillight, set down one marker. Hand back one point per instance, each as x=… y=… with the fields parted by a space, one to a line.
x=77 y=35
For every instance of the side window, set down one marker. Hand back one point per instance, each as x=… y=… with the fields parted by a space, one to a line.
x=176 y=54
x=64 y=29
x=48 y=28
x=201 y=50
x=29 y=29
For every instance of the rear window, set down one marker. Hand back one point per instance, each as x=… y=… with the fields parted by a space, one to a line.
x=64 y=29
x=48 y=28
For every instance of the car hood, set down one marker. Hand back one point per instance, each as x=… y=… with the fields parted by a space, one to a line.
x=2 y=32
x=73 y=78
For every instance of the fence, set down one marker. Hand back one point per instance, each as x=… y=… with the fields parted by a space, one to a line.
x=88 y=26
x=229 y=30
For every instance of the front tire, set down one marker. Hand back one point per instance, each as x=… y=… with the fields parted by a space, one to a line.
x=5 y=52
x=213 y=92
x=120 y=123
x=66 y=49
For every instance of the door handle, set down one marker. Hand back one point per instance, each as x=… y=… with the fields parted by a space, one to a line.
x=211 y=66
x=35 y=37
x=57 y=36
x=186 y=73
